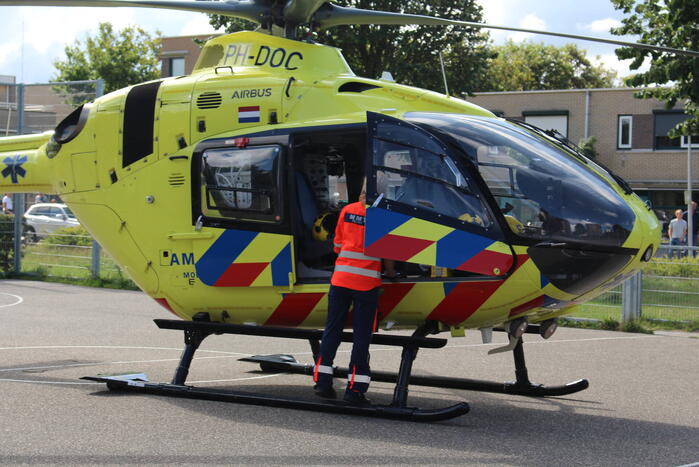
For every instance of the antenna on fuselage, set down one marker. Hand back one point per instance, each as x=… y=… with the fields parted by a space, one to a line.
x=444 y=75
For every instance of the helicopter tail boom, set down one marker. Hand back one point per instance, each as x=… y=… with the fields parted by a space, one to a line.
x=24 y=166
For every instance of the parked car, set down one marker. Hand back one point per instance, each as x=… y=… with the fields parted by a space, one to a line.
x=45 y=218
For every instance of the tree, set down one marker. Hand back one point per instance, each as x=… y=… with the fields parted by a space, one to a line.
x=529 y=65
x=120 y=59
x=672 y=23
x=410 y=53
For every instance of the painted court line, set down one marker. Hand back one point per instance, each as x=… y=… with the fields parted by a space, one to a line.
x=229 y=355
x=19 y=300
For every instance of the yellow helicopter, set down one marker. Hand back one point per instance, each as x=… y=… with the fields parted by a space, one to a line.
x=217 y=191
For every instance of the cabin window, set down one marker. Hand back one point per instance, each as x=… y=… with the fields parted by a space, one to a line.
x=544 y=191
x=242 y=184
x=427 y=181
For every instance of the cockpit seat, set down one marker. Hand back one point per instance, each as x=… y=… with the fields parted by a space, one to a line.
x=312 y=253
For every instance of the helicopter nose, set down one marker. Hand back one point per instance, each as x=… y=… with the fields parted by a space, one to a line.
x=577 y=270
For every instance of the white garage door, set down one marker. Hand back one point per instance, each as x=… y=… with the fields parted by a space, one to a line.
x=549 y=122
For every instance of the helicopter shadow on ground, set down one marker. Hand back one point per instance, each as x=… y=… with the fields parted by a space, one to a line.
x=500 y=428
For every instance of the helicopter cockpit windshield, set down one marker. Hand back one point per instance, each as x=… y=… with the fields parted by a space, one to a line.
x=543 y=190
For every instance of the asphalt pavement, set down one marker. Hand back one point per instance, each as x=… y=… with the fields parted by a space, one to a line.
x=642 y=407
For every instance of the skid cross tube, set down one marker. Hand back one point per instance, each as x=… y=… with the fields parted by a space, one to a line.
x=192 y=341
x=294 y=333
x=400 y=393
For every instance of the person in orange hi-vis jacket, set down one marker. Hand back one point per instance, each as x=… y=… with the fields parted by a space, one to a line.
x=355 y=281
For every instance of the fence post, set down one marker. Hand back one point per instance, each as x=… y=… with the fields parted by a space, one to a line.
x=631 y=298
x=20 y=109
x=18 y=207
x=96 y=253
x=99 y=88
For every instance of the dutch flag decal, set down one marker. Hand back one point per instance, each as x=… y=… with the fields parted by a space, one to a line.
x=249 y=114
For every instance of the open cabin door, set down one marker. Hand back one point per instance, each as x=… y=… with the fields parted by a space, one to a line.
x=238 y=199
x=425 y=206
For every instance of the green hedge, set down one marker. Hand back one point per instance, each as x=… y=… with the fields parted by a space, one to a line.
x=675 y=267
x=7 y=237
x=77 y=236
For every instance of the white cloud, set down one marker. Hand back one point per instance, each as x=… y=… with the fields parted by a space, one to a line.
x=68 y=24
x=531 y=21
x=620 y=66
x=7 y=50
x=494 y=12
x=603 y=25
x=198 y=25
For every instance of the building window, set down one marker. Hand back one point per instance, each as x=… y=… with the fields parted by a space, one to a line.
x=548 y=120
x=625 y=127
x=176 y=66
x=684 y=141
x=664 y=122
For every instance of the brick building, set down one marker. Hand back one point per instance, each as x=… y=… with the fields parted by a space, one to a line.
x=179 y=54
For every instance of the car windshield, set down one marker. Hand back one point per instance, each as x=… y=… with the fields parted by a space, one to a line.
x=544 y=190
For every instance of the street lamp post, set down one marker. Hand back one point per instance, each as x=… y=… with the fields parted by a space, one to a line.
x=690 y=216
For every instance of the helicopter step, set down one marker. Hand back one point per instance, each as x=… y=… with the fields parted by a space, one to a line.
x=196 y=331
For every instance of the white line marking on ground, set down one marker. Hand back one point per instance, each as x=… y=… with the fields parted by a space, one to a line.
x=229 y=355
x=19 y=300
x=99 y=383
x=122 y=362
x=31 y=381
x=34 y=347
x=236 y=379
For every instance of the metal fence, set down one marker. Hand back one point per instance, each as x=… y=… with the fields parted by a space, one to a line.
x=65 y=253
x=667 y=289
x=35 y=108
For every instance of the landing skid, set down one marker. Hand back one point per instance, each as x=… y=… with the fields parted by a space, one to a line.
x=287 y=364
x=196 y=331
x=191 y=392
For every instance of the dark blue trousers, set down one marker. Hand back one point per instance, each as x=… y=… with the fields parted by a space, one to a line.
x=363 y=316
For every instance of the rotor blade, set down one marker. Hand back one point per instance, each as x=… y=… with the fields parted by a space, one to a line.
x=300 y=11
x=250 y=10
x=332 y=15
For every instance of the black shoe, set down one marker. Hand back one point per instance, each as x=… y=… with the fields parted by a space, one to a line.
x=356 y=398
x=326 y=392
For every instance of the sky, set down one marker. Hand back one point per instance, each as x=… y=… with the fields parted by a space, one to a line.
x=32 y=38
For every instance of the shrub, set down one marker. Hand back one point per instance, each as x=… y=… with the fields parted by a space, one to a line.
x=7 y=237
x=634 y=326
x=77 y=236
x=610 y=324
x=677 y=267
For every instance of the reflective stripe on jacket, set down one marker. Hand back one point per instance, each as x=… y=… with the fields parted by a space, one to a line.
x=353 y=269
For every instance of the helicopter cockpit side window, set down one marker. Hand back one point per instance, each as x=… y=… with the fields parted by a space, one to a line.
x=543 y=190
x=242 y=183
x=428 y=181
